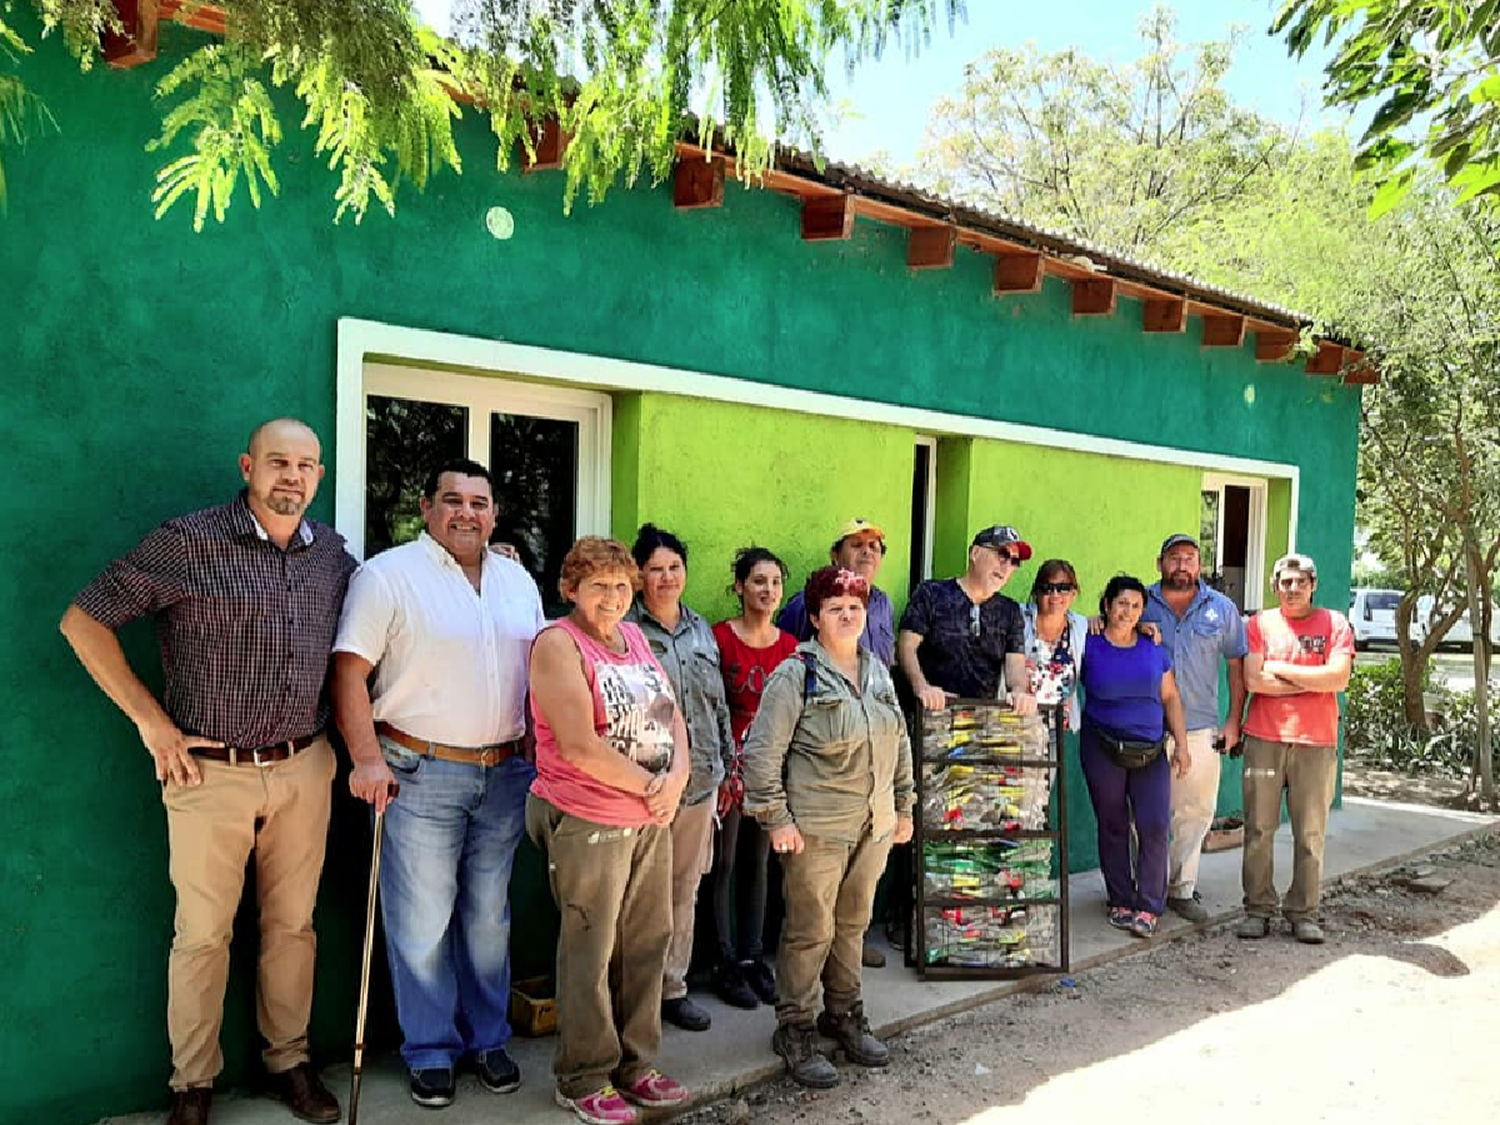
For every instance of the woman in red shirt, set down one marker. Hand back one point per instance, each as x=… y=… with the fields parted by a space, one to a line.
x=750 y=647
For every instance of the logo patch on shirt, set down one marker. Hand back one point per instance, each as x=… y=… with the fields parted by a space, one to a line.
x=1317 y=645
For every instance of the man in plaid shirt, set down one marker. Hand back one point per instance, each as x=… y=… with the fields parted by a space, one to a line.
x=246 y=598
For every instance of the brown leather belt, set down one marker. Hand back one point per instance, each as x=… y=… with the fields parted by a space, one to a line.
x=491 y=755
x=261 y=756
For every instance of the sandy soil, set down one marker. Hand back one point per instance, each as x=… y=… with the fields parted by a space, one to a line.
x=1395 y=1019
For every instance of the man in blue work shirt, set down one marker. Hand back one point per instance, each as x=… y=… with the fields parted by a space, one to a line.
x=859 y=546
x=1200 y=626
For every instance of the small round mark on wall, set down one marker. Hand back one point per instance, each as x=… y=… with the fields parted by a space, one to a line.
x=1249 y=394
x=500 y=223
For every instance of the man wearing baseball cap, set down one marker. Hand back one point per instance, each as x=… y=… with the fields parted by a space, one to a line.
x=960 y=635
x=859 y=546
x=1300 y=659
x=1200 y=627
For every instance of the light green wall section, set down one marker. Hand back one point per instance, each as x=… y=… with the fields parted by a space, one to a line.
x=950 y=525
x=722 y=476
x=625 y=443
x=1278 y=527
x=1102 y=514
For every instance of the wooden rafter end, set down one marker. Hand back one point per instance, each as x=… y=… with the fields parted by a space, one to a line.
x=930 y=248
x=1095 y=296
x=698 y=183
x=1018 y=273
x=1223 y=331
x=828 y=219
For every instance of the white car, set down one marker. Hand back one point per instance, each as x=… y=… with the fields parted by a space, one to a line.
x=1462 y=633
x=1372 y=616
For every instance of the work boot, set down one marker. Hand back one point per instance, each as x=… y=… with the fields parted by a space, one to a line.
x=797 y=1043
x=304 y=1094
x=1253 y=926
x=190 y=1107
x=1191 y=908
x=731 y=986
x=1308 y=932
x=852 y=1032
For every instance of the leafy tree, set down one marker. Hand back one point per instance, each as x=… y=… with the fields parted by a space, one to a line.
x=1433 y=71
x=1422 y=285
x=1120 y=155
x=381 y=91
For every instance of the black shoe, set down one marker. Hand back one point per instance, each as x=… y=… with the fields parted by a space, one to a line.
x=851 y=1031
x=190 y=1107
x=497 y=1072
x=759 y=977
x=685 y=1014
x=304 y=1094
x=432 y=1089
x=732 y=987
x=797 y=1043
x=895 y=935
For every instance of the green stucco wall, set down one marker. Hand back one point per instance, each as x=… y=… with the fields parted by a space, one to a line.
x=136 y=355
x=722 y=476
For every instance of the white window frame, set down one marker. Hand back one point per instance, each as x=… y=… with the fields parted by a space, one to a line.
x=482 y=395
x=931 y=506
x=1255 y=544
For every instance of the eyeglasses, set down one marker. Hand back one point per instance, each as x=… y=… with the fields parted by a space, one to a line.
x=973 y=620
x=1010 y=558
x=1056 y=588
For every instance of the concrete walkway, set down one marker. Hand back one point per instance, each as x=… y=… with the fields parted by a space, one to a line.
x=1362 y=836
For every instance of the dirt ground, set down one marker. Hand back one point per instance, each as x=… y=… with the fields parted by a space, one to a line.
x=1395 y=1019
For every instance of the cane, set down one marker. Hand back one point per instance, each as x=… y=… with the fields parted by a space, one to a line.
x=364 y=964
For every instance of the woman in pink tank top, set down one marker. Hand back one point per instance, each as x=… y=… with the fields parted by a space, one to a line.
x=612 y=761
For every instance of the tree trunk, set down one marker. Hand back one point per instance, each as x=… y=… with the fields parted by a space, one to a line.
x=1414 y=659
x=1484 y=771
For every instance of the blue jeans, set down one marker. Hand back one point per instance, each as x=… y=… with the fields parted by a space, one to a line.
x=1121 y=796
x=450 y=841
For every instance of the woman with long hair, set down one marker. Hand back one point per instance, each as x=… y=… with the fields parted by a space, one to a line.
x=750 y=648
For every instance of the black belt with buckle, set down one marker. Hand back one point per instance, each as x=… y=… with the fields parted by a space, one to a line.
x=260 y=756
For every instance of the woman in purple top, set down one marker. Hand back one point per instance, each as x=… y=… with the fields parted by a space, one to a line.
x=1130 y=700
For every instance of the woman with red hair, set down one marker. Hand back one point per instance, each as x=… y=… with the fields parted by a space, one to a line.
x=828 y=774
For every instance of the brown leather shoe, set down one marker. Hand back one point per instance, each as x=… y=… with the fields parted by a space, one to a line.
x=305 y=1095
x=190 y=1107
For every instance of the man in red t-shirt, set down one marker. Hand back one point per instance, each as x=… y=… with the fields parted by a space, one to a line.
x=1299 y=660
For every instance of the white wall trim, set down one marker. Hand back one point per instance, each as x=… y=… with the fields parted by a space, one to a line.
x=359 y=340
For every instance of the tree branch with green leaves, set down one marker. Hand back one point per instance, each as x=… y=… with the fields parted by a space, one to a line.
x=626 y=79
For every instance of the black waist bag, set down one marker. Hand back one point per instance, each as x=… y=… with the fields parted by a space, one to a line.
x=1127 y=753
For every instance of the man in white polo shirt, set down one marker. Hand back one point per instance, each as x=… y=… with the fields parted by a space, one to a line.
x=446 y=627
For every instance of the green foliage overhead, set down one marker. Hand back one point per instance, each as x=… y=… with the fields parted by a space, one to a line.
x=1123 y=155
x=1431 y=69
x=627 y=79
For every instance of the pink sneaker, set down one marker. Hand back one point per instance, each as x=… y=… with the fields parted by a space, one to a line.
x=655 y=1090
x=602 y=1107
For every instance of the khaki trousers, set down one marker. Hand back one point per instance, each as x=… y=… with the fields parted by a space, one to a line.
x=1306 y=774
x=1194 y=799
x=692 y=858
x=613 y=889
x=830 y=891
x=279 y=813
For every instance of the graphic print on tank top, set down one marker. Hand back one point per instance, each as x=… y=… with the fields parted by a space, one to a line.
x=638 y=711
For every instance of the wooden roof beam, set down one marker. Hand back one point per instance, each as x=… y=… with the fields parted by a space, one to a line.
x=1018 y=273
x=1274 y=347
x=1223 y=331
x=550 y=142
x=1358 y=370
x=1327 y=360
x=827 y=219
x=698 y=183
x=138 y=45
x=930 y=248
x=1164 y=315
x=1095 y=296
